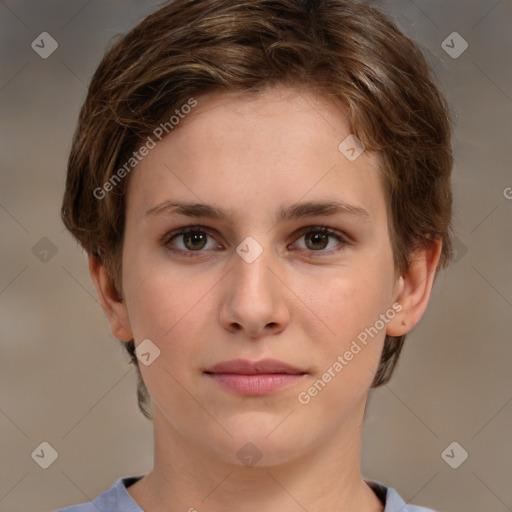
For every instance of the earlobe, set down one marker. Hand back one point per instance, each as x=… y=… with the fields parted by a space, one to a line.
x=414 y=287
x=112 y=304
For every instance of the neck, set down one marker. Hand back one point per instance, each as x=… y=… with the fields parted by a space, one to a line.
x=185 y=477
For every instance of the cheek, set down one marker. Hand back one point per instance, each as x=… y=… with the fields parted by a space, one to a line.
x=171 y=310
x=350 y=303
x=349 y=345
x=169 y=307
x=346 y=301
x=157 y=295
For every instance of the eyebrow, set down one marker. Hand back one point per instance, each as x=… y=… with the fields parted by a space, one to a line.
x=293 y=211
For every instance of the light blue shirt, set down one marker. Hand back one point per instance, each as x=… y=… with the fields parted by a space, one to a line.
x=117 y=499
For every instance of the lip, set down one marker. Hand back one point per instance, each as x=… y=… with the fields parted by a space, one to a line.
x=256 y=385
x=246 y=367
x=255 y=378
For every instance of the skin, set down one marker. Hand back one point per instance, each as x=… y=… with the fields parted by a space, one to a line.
x=301 y=301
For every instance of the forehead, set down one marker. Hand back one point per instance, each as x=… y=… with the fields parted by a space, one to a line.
x=253 y=149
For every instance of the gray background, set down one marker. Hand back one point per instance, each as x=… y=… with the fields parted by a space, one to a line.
x=66 y=381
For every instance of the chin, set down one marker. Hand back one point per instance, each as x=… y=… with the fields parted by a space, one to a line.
x=255 y=445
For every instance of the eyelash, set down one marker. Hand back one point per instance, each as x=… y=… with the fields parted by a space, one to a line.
x=200 y=229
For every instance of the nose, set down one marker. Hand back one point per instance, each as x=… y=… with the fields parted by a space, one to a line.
x=255 y=300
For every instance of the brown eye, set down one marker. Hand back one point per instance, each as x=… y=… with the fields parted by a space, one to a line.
x=194 y=240
x=189 y=240
x=317 y=239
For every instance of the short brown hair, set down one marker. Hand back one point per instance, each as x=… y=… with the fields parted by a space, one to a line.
x=342 y=49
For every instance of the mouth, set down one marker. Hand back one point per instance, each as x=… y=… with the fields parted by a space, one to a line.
x=255 y=378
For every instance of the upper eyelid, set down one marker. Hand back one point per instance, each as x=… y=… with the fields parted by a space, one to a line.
x=206 y=229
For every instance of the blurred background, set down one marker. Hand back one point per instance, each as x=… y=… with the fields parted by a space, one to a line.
x=439 y=432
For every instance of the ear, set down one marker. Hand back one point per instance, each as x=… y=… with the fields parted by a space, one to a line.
x=413 y=288
x=113 y=306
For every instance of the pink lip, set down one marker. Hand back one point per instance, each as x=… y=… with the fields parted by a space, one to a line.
x=255 y=378
x=246 y=367
x=255 y=385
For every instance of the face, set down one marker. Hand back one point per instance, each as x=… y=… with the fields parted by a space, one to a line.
x=252 y=283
